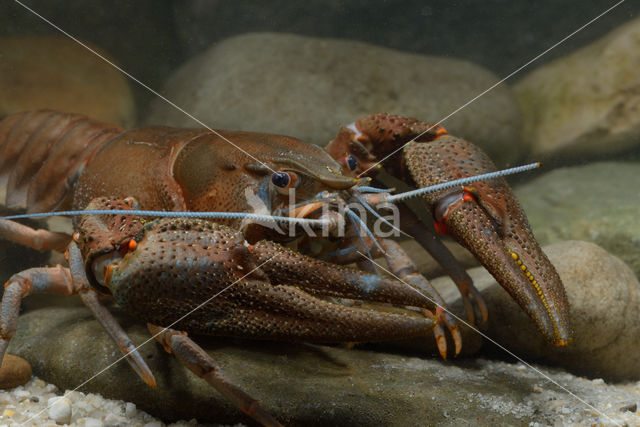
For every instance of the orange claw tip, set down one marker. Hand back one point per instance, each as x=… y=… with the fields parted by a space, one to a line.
x=457 y=339
x=150 y=381
x=442 y=347
x=144 y=372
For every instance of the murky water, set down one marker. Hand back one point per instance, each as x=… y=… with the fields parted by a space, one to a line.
x=550 y=81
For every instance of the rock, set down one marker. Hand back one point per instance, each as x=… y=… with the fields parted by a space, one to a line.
x=299 y=384
x=308 y=87
x=598 y=202
x=57 y=73
x=604 y=299
x=15 y=371
x=586 y=103
x=324 y=385
x=503 y=38
x=59 y=409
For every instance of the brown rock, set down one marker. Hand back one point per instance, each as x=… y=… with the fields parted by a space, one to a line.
x=57 y=73
x=15 y=371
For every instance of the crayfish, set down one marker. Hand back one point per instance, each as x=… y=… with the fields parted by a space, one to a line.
x=243 y=275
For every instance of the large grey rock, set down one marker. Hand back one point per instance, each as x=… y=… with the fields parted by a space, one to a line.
x=587 y=102
x=604 y=299
x=599 y=202
x=308 y=87
x=498 y=36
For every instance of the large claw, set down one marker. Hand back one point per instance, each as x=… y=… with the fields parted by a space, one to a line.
x=487 y=219
x=484 y=217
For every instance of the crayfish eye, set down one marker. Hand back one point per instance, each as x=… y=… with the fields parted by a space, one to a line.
x=281 y=179
x=351 y=162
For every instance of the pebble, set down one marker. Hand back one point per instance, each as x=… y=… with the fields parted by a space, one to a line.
x=130 y=409
x=59 y=409
x=15 y=371
x=92 y=422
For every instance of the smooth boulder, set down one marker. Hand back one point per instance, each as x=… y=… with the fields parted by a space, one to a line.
x=597 y=202
x=604 y=300
x=585 y=103
x=308 y=87
x=57 y=73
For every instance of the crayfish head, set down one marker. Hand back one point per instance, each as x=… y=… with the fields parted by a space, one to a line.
x=104 y=239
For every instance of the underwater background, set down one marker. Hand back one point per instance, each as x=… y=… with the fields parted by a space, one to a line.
x=550 y=81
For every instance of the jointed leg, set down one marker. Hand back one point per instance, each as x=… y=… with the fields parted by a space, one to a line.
x=34 y=280
x=200 y=363
x=60 y=280
x=40 y=240
x=405 y=269
x=432 y=244
x=90 y=298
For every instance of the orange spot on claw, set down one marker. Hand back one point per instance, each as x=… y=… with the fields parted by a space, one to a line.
x=76 y=236
x=132 y=245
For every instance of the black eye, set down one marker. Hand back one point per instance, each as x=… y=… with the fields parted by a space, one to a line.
x=280 y=179
x=352 y=162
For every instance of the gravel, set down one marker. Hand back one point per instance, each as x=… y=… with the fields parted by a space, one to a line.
x=38 y=403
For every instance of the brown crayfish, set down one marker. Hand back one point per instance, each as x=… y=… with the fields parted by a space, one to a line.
x=277 y=282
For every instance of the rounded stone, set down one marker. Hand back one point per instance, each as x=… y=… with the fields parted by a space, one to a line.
x=59 y=409
x=57 y=73
x=308 y=87
x=603 y=295
x=585 y=103
x=15 y=371
x=597 y=203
